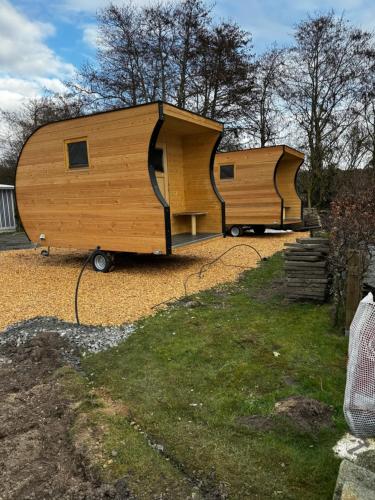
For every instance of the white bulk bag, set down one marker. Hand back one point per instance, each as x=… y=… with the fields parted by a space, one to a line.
x=359 y=403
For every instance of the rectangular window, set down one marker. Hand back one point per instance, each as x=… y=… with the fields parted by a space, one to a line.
x=226 y=172
x=77 y=155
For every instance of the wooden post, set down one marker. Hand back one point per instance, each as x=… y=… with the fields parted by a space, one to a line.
x=194 y=225
x=353 y=286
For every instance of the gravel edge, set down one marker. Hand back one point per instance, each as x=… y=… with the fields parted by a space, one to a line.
x=87 y=338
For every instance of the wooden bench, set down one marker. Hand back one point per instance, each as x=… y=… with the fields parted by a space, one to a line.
x=193 y=216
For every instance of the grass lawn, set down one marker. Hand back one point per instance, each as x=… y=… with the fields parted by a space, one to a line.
x=167 y=401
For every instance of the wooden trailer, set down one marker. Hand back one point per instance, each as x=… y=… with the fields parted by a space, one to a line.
x=259 y=188
x=138 y=179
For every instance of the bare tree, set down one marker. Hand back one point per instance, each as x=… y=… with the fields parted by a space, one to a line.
x=160 y=41
x=173 y=52
x=222 y=84
x=367 y=103
x=144 y=54
x=190 y=18
x=20 y=124
x=369 y=120
x=323 y=71
x=119 y=78
x=262 y=117
x=353 y=147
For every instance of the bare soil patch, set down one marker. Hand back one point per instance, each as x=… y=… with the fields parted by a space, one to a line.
x=38 y=459
x=304 y=414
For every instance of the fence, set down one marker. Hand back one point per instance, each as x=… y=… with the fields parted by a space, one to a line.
x=7 y=209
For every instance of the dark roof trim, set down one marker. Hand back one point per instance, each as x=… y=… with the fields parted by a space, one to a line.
x=154 y=183
x=275 y=184
x=159 y=103
x=213 y=182
x=263 y=147
x=295 y=185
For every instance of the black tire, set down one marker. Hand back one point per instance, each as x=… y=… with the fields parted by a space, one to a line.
x=235 y=231
x=102 y=262
x=259 y=230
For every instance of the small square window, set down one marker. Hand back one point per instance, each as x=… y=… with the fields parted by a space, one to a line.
x=77 y=154
x=226 y=172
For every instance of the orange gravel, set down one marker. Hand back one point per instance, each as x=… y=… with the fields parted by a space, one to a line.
x=32 y=285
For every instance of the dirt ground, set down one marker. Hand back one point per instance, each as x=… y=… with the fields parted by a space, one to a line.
x=32 y=285
x=37 y=458
x=305 y=414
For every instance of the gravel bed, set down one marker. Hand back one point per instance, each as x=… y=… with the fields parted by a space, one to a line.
x=35 y=286
x=88 y=339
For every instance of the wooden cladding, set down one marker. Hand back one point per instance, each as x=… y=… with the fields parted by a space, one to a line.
x=85 y=182
x=262 y=190
x=285 y=181
x=188 y=181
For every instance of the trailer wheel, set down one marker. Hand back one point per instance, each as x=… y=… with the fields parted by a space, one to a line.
x=102 y=262
x=259 y=230
x=235 y=231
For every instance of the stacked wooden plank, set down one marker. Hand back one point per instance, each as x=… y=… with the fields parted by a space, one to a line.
x=306 y=269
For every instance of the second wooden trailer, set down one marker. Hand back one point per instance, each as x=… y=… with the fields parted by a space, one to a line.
x=259 y=188
x=138 y=179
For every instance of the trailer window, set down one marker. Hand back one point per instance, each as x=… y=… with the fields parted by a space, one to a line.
x=226 y=172
x=77 y=154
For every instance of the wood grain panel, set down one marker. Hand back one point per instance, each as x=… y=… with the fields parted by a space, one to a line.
x=172 y=143
x=199 y=193
x=111 y=204
x=251 y=197
x=186 y=116
x=190 y=188
x=285 y=177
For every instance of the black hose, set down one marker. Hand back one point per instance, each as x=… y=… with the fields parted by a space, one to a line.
x=88 y=259
x=199 y=273
x=208 y=264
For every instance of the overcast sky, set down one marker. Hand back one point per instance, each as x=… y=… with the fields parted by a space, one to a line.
x=42 y=42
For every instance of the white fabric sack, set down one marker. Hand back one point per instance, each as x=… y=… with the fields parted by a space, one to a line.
x=359 y=402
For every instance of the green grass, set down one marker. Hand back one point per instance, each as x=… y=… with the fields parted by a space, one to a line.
x=188 y=373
